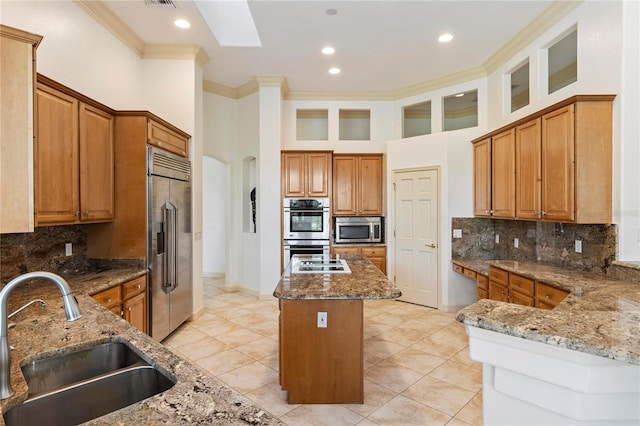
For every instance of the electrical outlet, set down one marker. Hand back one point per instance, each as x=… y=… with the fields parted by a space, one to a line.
x=516 y=243
x=578 y=246
x=457 y=233
x=68 y=249
x=497 y=238
x=322 y=320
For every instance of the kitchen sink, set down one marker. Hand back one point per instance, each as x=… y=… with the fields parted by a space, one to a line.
x=79 y=386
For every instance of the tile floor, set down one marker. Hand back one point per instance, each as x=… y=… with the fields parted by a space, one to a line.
x=417 y=368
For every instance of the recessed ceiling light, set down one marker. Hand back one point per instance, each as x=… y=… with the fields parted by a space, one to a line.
x=182 y=23
x=444 y=38
x=334 y=70
x=459 y=95
x=328 y=50
x=331 y=12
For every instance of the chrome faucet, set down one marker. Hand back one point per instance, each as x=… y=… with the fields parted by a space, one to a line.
x=71 y=309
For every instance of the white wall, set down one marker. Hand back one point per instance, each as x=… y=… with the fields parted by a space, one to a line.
x=79 y=53
x=215 y=203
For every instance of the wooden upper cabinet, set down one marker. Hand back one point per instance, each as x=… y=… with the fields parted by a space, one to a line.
x=17 y=90
x=557 y=165
x=56 y=158
x=73 y=160
x=482 y=178
x=563 y=163
x=528 y=170
x=96 y=164
x=165 y=138
x=306 y=174
x=503 y=174
x=357 y=185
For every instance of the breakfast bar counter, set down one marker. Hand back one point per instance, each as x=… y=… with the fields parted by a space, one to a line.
x=321 y=326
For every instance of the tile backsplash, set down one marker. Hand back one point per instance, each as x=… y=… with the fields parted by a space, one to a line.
x=551 y=243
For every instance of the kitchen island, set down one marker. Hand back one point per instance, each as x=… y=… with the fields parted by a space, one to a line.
x=576 y=364
x=194 y=399
x=321 y=326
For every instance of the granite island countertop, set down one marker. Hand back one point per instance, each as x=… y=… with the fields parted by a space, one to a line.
x=600 y=316
x=365 y=281
x=196 y=398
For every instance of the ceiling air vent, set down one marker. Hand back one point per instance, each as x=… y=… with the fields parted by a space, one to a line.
x=166 y=4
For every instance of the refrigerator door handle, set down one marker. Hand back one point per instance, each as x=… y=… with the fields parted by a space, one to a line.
x=169 y=212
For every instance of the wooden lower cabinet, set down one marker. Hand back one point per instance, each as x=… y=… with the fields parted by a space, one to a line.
x=377 y=255
x=128 y=300
x=548 y=297
x=498 y=292
x=482 y=284
x=322 y=365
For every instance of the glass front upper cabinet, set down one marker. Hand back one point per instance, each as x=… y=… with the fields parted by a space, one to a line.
x=563 y=62
x=416 y=120
x=460 y=110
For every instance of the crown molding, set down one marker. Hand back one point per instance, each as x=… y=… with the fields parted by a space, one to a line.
x=440 y=82
x=231 y=92
x=338 y=95
x=549 y=17
x=20 y=35
x=175 y=51
x=105 y=17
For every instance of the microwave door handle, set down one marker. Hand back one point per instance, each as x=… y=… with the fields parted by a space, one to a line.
x=371 y=231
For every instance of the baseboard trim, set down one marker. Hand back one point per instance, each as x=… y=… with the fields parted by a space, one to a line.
x=208 y=274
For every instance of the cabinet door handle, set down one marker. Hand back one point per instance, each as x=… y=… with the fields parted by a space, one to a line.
x=86 y=212
x=137 y=286
x=77 y=213
x=543 y=212
x=107 y=300
x=129 y=309
x=431 y=245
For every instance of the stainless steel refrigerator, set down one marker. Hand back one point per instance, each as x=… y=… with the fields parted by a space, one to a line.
x=168 y=241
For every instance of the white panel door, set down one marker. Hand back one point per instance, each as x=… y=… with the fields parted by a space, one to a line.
x=416 y=234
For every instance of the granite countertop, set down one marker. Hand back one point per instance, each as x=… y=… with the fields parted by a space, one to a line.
x=600 y=316
x=365 y=281
x=196 y=398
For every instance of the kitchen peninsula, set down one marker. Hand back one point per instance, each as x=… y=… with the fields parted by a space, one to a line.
x=321 y=326
x=576 y=364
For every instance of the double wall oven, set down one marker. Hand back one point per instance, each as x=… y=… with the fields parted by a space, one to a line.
x=306 y=226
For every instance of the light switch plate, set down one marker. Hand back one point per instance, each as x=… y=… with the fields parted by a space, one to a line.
x=68 y=249
x=497 y=238
x=457 y=233
x=516 y=243
x=578 y=246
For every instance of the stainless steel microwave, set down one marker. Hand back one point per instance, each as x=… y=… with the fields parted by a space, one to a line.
x=359 y=229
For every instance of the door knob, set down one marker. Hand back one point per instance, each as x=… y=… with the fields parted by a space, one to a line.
x=430 y=245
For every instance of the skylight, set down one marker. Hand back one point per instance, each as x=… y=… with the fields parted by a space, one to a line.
x=230 y=22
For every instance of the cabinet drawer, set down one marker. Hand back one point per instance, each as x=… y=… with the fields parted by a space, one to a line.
x=521 y=284
x=471 y=274
x=345 y=250
x=498 y=275
x=459 y=269
x=498 y=292
x=163 y=137
x=520 y=299
x=549 y=295
x=482 y=293
x=482 y=282
x=374 y=251
x=134 y=287
x=109 y=298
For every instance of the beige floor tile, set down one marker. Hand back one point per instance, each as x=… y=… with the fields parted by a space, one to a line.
x=389 y=319
x=272 y=362
x=259 y=348
x=214 y=325
x=440 y=318
x=250 y=320
x=268 y=328
x=367 y=422
x=381 y=348
x=185 y=334
x=440 y=395
x=321 y=414
x=404 y=337
x=407 y=412
x=442 y=344
x=223 y=362
x=416 y=360
x=370 y=360
x=374 y=328
x=472 y=412
x=392 y=376
x=463 y=358
x=203 y=348
x=456 y=422
x=468 y=377
x=375 y=396
x=272 y=398
x=249 y=377
x=238 y=337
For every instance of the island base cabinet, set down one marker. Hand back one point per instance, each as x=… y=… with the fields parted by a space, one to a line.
x=321 y=365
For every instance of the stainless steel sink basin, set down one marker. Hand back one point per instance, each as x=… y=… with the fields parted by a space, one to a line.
x=79 y=386
x=46 y=374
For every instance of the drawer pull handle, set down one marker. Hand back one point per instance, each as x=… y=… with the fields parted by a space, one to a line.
x=108 y=300
x=137 y=286
x=548 y=296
